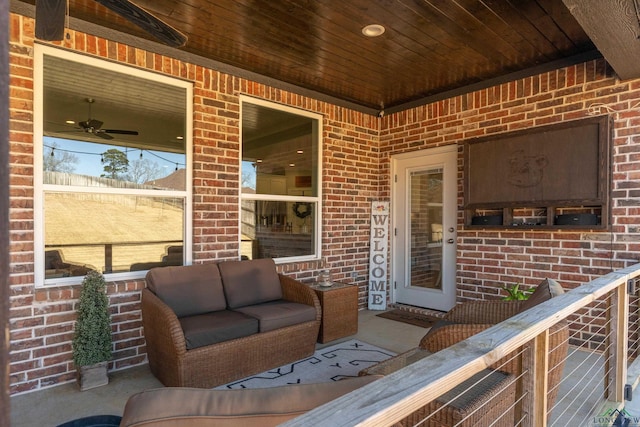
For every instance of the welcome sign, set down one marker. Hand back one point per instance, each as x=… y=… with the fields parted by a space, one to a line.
x=378 y=256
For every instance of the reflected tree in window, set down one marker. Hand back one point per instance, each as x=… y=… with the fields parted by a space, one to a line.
x=59 y=161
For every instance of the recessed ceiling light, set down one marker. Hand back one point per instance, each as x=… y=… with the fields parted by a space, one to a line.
x=70 y=122
x=373 y=30
x=180 y=137
x=291 y=165
x=299 y=151
x=258 y=160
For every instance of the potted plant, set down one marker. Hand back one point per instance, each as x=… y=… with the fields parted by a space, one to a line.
x=92 y=338
x=515 y=293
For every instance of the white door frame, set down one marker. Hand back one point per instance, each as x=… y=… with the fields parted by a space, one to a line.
x=449 y=228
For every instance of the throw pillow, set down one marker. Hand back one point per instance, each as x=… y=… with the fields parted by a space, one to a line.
x=546 y=290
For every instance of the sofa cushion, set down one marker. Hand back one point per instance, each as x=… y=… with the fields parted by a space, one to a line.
x=279 y=314
x=546 y=290
x=250 y=282
x=260 y=407
x=188 y=290
x=211 y=328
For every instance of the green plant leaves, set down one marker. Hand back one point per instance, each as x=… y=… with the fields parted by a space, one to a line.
x=514 y=293
x=92 y=337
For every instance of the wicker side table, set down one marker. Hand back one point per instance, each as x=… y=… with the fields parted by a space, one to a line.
x=339 y=310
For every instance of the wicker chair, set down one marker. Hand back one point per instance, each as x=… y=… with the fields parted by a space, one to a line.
x=492 y=400
x=497 y=398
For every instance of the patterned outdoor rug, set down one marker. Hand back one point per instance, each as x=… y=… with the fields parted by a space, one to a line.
x=405 y=316
x=327 y=364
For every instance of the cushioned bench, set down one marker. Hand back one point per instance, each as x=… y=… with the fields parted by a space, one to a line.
x=260 y=407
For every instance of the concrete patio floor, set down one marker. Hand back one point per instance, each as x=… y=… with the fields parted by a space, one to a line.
x=56 y=405
x=578 y=395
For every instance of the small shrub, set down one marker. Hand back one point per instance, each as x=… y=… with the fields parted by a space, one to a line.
x=92 y=338
x=514 y=293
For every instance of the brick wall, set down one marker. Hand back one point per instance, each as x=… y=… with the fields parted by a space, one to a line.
x=489 y=259
x=41 y=320
x=356 y=170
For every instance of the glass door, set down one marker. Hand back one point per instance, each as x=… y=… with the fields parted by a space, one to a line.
x=424 y=228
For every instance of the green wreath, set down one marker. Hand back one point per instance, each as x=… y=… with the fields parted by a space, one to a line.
x=302 y=209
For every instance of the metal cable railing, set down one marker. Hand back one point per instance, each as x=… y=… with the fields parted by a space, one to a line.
x=591 y=354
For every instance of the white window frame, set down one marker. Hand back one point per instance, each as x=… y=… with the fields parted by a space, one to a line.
x=38 y=142
x=318 y=130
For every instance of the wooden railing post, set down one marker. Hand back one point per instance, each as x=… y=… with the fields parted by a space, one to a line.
x=535 y=382
x=617 y=339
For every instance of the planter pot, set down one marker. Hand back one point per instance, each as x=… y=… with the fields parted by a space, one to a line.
x=92 y=376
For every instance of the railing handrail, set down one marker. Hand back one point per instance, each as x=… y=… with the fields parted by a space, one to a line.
x=396 y=395
x=120 y=243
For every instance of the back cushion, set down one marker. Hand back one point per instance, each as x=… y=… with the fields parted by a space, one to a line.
x=250 y=282
x=546 y=290
x=188 y=290
x=179 y=407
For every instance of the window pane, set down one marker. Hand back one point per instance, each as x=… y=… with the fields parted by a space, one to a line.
x=277 y=229
x=279 y=152
x=426 y=228
x=111 y=233
x=89 y=164
x=103 y=123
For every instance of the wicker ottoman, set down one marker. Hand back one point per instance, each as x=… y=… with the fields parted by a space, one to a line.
x=489 y=400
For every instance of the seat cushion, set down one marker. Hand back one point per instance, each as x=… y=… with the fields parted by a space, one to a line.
x=189 y=290
x=219 y=326
x=546 y=290
x=250 y=282
x=279 y=314
x=260 y=407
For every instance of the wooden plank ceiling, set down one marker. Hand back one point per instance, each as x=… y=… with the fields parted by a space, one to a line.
x=430 y=49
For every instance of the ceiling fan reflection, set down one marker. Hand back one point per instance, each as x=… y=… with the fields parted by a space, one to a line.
x=94 y=126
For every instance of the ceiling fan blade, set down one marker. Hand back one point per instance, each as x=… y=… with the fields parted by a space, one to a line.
x=120 y=131
x=143 y=19
x=91 y=124
x=103 y=135
x=50 y=19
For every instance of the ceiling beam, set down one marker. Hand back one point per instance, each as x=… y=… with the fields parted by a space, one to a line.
x=614 y=28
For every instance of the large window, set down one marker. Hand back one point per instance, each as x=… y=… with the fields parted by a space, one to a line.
x=112 y=168
x=280 y=208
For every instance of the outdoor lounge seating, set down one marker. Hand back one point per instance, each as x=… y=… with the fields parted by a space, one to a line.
x=490 y=401
x=208 y=324
x=55 y=266
x=174 y=257
x=261 y=407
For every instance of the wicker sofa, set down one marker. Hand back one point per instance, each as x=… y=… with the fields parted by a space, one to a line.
x=209 y=324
